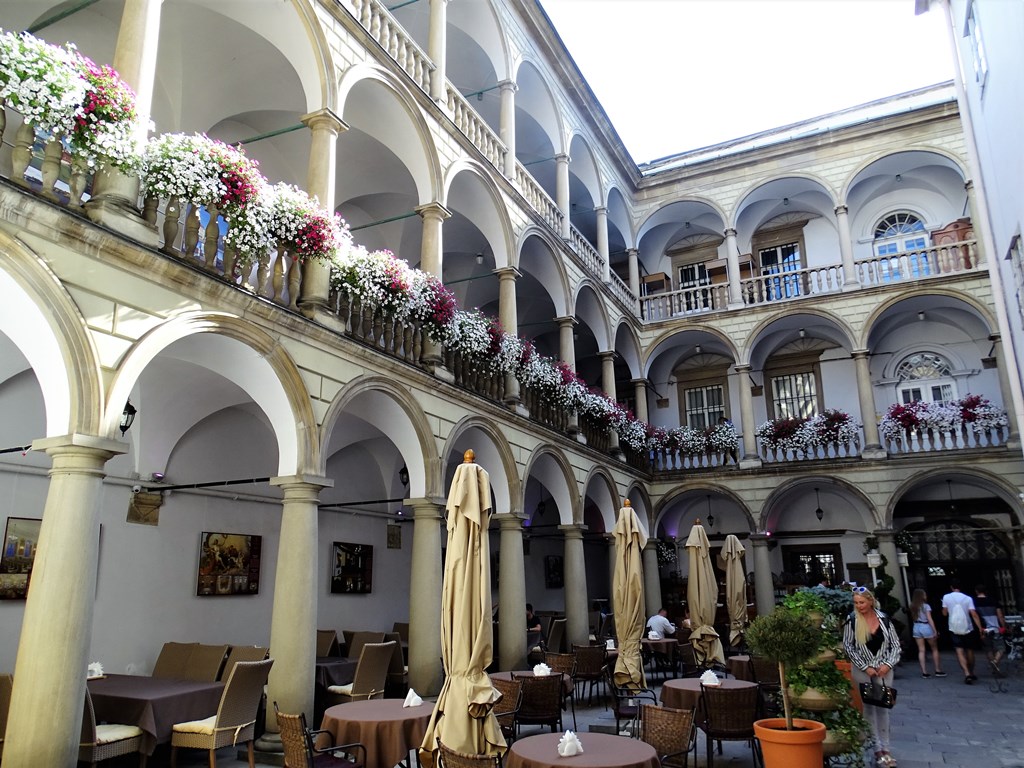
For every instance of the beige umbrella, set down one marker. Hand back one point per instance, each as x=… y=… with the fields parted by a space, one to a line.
x=462 y=718
x=735 y=588
x=702 y=596
x=628 y=597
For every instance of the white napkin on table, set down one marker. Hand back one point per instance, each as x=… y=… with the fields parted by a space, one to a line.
x=610 y=644
x=541 y=670
x=411 y=699
x=95 y=669
x=710 y=678
x=654 y=635
x=569 y=745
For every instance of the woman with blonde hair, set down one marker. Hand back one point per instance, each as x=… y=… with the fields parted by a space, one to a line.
x=924 y=630
x=873 y=645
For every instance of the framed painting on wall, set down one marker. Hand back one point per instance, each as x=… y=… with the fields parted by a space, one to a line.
x=553 y=572
x=19 y=552
x=229 y=564
x=352 y=569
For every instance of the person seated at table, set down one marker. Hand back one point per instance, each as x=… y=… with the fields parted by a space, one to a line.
x=659 y=627
x=534 y=630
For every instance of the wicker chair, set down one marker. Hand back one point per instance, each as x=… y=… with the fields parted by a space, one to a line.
x=671 y=733
x=370 y=678
x=327 y=643
x=542 y=702
x=398 y=671
x=507 y=709
x=607 y=627
x=729 y=715
x=565 y=664
x=626 y=702
x=354 y=642
x=451 y=758
x=243 y=653
x=765 y=673
x=235 y=720
x=102 y=742
x=6 y=686
x=299 y=752
x=556 y=636
x=590 y=663
x=689 y=664
x=205 y=662
x=173 y=659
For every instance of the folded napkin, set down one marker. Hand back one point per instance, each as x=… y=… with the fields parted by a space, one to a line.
x=95 y=669
x=569 y=745
x=610 y=644
x=541 y=670
x=710 y=678
x=411 y=699
x=653 y=635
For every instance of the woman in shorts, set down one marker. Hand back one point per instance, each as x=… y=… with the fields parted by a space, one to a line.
x=924 y=631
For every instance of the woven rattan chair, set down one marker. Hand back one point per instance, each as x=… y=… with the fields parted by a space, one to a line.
x=689 y=665
x=728 y=715
x=6 y=686
x=507 y=709
x=626 y=702
x=397 y=684
x=173 y=659
x=102 y=742
x=765 y=673
x=235 y=721
x=607 y=627
x=355 y=641
x=542 y=702
x=670 y=731
x=205 y=663
x=370 y=678
x=556 y=636
x=243 y=653
x=451 y=758
x=300 y=752
x=327 y=643
x=590 y=663
x=565 y=664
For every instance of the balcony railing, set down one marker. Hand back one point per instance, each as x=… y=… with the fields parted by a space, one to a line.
x=915 y=441
x=591 y=258
x=668 y=460
x=837 y=450
x=476 y=130
x=780 y=286
x=936 y=261
x=687 y=301
x=389 y=34
x=538 y=199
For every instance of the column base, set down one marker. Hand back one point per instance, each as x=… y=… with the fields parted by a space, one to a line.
x=874 y=452
x=1013 y=444
x=847 y=287
x=268 y=750
x=518 y=408
x=438 y=371
x=119 y=216
x=735 y=305
x=262 y=758
x=750 y=462
x=322 y=315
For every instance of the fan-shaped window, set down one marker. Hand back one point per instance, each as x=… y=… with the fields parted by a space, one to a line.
x=901 y=236
x=925 y=376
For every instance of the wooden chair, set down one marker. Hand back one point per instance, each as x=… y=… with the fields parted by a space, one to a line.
x=235 y=721
x=205 y=662
x=300 y=751
x=626 y=702
x=102 y=742
x=542 y=702
x=670 y=731
x=173 y=659
x=6 y=686
x=354 y=644
x=327 y=643
x=370 y=678
x=564 y=664
x=451 y=758
x=729 y=715
x=590 y=664
x=689 y=665
x=397 y=684
x=239 y=653
x=507 y=709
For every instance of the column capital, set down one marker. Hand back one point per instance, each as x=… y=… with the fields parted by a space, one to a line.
x=743 y=367
x=601 y=209
x=885 y=534
x=632 y=251
x=78 y=441
x=608 y=354
x=508 y=85
x=311 y=481
x=642 y=380
x=729 y=232
x=563 y=157
x=324 y=118
x=841 y=210
x=760 y=539
x=969 y=185
x=433 y=210
x=573 y=530
x=567 y=320
x=425 y=508
x=859 y=354
x=507 y=273
x=510 y=521
x=995 y=336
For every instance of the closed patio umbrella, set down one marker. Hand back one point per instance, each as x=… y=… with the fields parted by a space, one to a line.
x=735 y=588
x=462 y=717
x=702 y=596
x=628 y=597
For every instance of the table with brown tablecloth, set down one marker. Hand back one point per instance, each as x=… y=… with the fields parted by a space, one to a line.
x=600 y=750
x=154 y=704
x=739 y=666
x=566 y=679
x=685 y=693
x=330 y=670
x=386 y=728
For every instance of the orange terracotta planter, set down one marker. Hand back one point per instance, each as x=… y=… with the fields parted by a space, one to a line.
x=790 y=749
x=845 y=667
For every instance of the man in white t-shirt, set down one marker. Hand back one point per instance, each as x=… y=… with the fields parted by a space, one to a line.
x=964 y=644
x=660 y=626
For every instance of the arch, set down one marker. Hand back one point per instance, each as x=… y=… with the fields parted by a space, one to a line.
x=321 y=51
x=603 y=484
x=845 y=333
x=779 y=493
x=701 y=488
x=272 y=380
x=998 y=484
x=872 y=320
x=628 y=346
x=641 y=501
x=55 y=341
x=555 y=276
x=493 y=222
x=593 y=312
x=553 y=463
x=953 y=162
x=660 y=344
x=496 y=457
x=776 y=187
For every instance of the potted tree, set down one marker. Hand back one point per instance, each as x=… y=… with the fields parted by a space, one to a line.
x=789 y=639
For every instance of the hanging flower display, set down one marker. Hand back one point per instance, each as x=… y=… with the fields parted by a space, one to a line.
x=105 y=126
x=973 y=412
x=41 y=81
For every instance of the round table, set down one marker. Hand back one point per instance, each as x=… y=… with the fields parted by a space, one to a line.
x=685 y=693
x=739 y=666
x=601 y=750
x=386 y=728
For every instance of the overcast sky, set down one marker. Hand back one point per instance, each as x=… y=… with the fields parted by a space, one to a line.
x=676 y=75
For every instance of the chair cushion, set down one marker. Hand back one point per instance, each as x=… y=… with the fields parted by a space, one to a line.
x=198 y=726
x=346 y=689
x=106 y=734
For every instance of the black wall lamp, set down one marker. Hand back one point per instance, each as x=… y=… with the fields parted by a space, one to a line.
x=710 y=518
x=819 y=512
x=403 y=475
x=127 y=417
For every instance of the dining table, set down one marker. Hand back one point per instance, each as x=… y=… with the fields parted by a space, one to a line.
x=328 y=671
x=685 y=693
x=154 y=704
x=600 y=750
x=739 y=666
x=386 y=727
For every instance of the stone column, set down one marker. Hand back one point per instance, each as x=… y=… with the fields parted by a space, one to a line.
x=437 y=49
x=425 y=597
x=293 y=623
x=115 y=196
x=324 y=127
x=887 y=548
x=577 y=616
x=732 y=264
x=509 y=318
x=634 y=276
x=507 y=122
x=640 y=393
x=652 y=577
x=749 y=457
x=873 y=449
x=1013 y=441
x=763 y=585
x=567 y=355
x=49 y=675
x=511 y=594
x=608 y=385
x=602 y=242
x=562 y=191
x=431 y=262
x=851 y=281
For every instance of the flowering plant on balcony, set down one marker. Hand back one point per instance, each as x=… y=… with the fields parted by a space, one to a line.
x=105 y=125
x=784 y=434
x=41 y=81
x=430 y=303
x=296 y=220
x=980 y=415
x=691 y=442
x=974 y=412
x=721 y=438
x=377 y=278
x=900 y=417
x=632 y=432
x=831 y=427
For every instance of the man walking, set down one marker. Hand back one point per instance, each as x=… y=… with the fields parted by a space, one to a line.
x=991 y=613
x=959 y=609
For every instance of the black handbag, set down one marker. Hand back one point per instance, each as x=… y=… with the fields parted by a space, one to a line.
x=878 y=694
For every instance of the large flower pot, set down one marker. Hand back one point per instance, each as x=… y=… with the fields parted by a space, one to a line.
x=835 y=743
x=845 y=667
x=790 y=749
x=815 y=701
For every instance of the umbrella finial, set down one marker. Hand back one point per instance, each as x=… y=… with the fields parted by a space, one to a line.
x=697 y=521
x=469 y=457
x=627 y=503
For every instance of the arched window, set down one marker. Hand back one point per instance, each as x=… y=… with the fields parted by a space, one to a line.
x=902 y=236
x=925 y=376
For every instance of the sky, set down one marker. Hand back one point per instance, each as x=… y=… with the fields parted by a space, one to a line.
x=677 y=75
